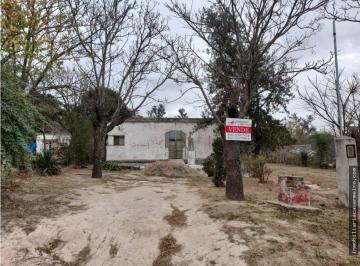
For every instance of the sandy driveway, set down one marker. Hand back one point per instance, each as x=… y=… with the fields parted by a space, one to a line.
x=121 y=222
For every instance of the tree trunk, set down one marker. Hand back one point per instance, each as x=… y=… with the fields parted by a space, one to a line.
x=99 y=143
x=104 y=148
x=234 y=182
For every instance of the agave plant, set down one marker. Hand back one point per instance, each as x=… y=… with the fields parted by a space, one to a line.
x=48 y=164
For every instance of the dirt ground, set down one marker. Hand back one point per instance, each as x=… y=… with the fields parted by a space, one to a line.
x=128 y=218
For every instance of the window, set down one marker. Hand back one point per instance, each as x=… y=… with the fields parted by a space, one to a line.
x=119 y=140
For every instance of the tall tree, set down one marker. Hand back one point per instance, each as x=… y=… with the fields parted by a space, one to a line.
x=249 y=37
x=268 y=132
x=36 y=37
x=124 y=53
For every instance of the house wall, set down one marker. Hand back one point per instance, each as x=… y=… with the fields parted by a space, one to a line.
x=146 y=141
x=55 y=140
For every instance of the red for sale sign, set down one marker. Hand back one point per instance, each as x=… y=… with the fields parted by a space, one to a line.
x=238 y=129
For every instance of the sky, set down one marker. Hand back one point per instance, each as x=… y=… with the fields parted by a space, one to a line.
x=348 y=41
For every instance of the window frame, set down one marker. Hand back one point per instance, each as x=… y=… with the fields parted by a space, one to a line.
x=121 y=140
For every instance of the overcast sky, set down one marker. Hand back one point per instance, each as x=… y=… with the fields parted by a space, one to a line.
x=348 y=35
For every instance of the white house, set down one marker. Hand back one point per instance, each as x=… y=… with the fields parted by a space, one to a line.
x=148 y=139
x=52 y=141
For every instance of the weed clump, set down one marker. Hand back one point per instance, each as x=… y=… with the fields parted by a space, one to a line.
x=170 y=169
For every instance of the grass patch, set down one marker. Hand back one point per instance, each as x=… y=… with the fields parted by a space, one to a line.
x=168 y=246
x=49 y=248
x=111 y=166
x=177 y=218
x=335 y=227
x=113 y=250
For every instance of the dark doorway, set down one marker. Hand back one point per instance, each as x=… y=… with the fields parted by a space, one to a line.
x=175 y=142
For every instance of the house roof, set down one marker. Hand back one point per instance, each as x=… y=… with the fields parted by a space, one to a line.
x=163 y=120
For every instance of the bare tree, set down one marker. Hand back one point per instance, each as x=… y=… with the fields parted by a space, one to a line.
x=260 y=36
x=320 y=98
x=67 y=85
x=123 y=54
x=345 y=10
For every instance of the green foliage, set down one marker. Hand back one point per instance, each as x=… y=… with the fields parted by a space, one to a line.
x=35 y=35
x=208 y=165
x=324 y=146
x=47 y=163
x=5 y=166
x=49 y=107
x=92 y=108
x=256 y=167
x=157 y=111
x=18 y=123
x=80 y=129
x=182 y=113
x=304 y=158
x=214 y=164
x=219 y=169
x=268 y=132
x=270 y=88
x=301 y=128
x=111 y=166
x=80 y=144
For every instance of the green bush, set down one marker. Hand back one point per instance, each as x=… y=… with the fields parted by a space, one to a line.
x=304 y=158
x=47 y=163
x=256 y=167
x=208 y=165
x=218 y=155
x=214 y=164
x=5 y=167
x=111 y=166
x=18 y=123
x=324 y=146
x=80 y=128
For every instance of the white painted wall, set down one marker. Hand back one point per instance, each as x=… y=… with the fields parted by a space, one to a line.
x=145 y=140
x=61 y=138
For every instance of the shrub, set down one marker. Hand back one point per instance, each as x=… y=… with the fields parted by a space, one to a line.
x=214 y=164
x=47 y=163
x=18 y=123
x=256 y=167
x=304 y=158
x=111 y=166
x=5 y=167
x=218 y=155
x=324 y=145
x=208 y=165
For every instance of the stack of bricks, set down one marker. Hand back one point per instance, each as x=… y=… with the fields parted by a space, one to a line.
x=293 y=191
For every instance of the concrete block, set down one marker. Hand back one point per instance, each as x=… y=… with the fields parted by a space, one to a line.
x=191 y=157
x=293 y=191
x=343 y=163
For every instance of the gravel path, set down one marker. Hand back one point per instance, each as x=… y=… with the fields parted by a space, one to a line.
x=127 y=222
